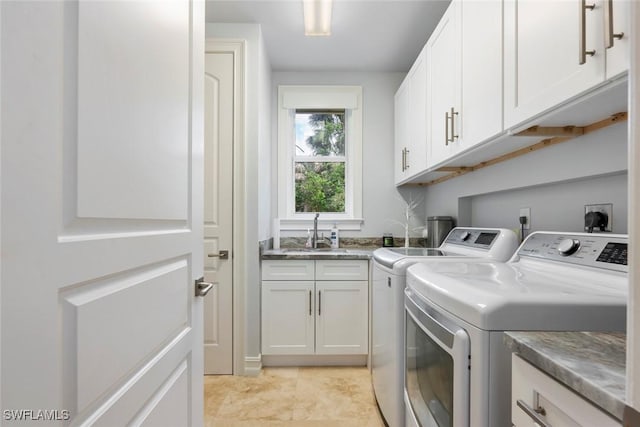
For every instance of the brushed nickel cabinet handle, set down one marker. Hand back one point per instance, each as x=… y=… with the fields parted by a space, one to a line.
x=582 y=58
x=309 y=303
x=319 y=303
x=535 y=414
x=608 y=25
x=406 y=158
x=446 y=128
x=453 y=128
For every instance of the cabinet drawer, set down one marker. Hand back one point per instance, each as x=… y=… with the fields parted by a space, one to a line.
x=342 y=270
x=560 y=406
x=287 y=270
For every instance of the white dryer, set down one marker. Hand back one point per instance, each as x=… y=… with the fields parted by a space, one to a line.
x=458 y=370
x=387 y=316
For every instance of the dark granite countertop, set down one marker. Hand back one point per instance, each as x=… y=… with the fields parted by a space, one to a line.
x=295 y=253
x=590 y=363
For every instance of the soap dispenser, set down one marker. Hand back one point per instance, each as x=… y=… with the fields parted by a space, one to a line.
x=308 y=243
x=334 y=237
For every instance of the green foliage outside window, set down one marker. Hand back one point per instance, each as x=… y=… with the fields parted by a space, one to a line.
x=320 y=185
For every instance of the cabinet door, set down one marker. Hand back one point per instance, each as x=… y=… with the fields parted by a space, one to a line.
x=401 y=131
x=341 y=317
x=546 y=398
x=417 y=112
x=481 y=68
x=443 y=80
x=542 y=64
x=287 y=317
x=617 y=40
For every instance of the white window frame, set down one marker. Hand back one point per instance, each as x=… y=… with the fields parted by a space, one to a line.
x=291 y=98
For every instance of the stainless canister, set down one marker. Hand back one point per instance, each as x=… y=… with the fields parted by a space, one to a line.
x=438 y=227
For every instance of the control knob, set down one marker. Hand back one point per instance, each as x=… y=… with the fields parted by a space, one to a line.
x=465 y=235
x=568 y=246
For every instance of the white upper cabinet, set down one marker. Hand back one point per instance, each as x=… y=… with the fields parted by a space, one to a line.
x=494 y=66
x=555 y=50
x=411 y=121
x=464 y=88
x=616 y=36
x=482 y=38
x=401 y=131
x=444 y=85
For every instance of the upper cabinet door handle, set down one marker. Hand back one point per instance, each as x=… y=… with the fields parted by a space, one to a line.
x=446 y=128
x=608 y=25
x=453 y=125
x=582 y=46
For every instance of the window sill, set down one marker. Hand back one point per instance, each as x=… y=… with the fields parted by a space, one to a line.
x=323 y=224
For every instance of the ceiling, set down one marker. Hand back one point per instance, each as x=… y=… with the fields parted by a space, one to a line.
x=367 y=35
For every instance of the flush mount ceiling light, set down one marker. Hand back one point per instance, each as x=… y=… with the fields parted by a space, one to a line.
x=317 y=17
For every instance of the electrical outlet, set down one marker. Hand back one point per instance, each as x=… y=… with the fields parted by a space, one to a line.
x=603 y=208
x=526 y=212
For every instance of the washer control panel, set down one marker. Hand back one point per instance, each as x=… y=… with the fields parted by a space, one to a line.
x=473 y=237
x=593 y=250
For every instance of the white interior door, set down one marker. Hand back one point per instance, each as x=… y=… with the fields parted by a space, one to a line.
x=218 y=216
x=102 y=140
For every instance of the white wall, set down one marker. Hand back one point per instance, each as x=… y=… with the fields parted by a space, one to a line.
x=555 y=182
x=554 y=206
x=256 y=195
x=382 y=203
x=264 y=147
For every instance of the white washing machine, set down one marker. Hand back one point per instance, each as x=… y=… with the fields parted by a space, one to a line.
x=389 y=271
x=458 y=370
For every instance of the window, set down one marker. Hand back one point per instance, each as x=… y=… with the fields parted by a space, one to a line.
x=320 y=162
x=320 y=155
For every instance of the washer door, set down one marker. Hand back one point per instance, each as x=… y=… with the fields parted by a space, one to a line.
x=437 y=366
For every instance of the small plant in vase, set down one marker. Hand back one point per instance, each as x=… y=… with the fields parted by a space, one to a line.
x=408 y=215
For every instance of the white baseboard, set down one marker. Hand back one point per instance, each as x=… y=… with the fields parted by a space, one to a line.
x=252 y=365
x=315 y=360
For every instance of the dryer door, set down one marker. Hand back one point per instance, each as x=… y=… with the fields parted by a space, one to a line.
x=437 y=366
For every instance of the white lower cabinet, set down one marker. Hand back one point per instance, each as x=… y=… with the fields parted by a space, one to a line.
x=535 y=394
x=288 y=319
x=322 y=317
x=341 y=317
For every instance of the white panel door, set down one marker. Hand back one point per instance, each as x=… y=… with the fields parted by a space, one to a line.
x=218 y=212
x=102 y=140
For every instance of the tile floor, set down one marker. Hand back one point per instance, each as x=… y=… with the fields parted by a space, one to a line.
x=288 y=397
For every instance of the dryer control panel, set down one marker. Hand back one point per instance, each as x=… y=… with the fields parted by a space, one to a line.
x=592 y=250
x=473 y=237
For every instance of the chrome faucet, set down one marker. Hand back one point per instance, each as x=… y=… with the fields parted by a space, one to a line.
x=314 y=239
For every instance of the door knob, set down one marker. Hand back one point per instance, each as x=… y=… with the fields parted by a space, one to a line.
x=202 y=287
x=220 y=254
